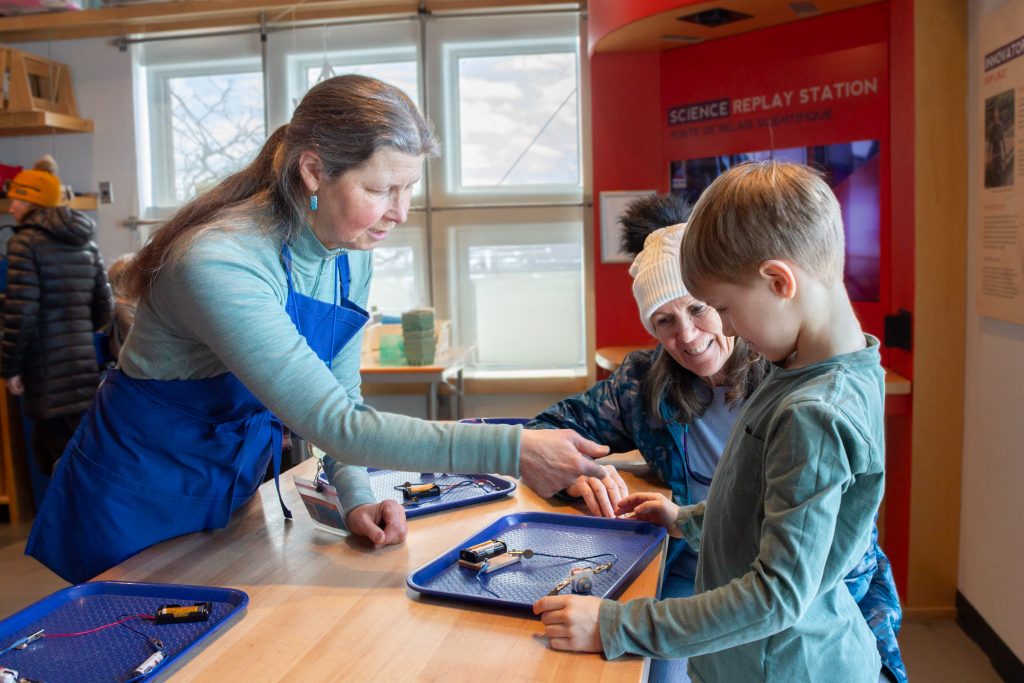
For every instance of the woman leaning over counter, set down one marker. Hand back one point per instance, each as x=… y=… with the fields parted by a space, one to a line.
x=250 y=314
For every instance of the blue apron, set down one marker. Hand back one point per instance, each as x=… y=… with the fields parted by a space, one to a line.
x=155 y=459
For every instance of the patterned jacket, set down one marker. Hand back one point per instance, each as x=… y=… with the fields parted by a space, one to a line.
x=614 y=412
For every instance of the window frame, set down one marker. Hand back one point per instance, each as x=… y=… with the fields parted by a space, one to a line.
x=161 y=127
x=437 y=44
x=450 y=269
x=154 y=64
x=446 y=44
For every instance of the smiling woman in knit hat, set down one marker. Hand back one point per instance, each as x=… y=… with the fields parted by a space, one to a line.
x=677 y=404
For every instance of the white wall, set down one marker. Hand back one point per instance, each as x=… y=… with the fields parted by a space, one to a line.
x=992 y=513
x=102 y=80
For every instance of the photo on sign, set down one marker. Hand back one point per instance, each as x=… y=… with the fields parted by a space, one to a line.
x=852 y=171
x=999 y=136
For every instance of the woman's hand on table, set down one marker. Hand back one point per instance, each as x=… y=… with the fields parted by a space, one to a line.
x=382 y=523
x=600 y=495
x=551 y=459
x=648 y=506
x=571 y=622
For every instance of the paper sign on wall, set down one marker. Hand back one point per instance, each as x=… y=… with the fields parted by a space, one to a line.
x=1000 y=245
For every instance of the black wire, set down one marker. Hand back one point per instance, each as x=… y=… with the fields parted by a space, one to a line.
x=157 y=646
x=467 y=482
x=155 y=642
x=444 y=490
x=588 y=558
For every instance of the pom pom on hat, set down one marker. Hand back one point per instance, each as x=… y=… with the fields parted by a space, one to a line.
x=657 y=277
x=38 y=187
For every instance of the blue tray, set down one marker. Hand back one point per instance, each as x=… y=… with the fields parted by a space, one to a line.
x=383 y=483
x=520 y=585
x=495 y=420
x=110 y=654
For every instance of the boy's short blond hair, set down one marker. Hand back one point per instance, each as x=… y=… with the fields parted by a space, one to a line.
x=758 y=211
x=117 y=274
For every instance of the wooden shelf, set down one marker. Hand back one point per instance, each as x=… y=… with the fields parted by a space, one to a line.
x=197 y=15
x=82 y=202
x=41 y=123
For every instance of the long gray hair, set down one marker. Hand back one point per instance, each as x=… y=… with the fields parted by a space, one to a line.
x=344 y=120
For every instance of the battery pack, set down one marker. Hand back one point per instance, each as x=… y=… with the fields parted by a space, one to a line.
x=182 y=614
x=416 y=492
x=483 y=551
x=498 y=562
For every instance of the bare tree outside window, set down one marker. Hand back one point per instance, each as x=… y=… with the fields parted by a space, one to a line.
x=217 y=128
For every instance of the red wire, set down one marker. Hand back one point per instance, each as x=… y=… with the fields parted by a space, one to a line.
x=100 y=628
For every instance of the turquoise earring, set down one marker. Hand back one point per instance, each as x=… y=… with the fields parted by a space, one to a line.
x=312 y=202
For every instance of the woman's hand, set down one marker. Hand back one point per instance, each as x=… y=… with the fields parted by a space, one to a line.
x=652 y=507
x=571 y=622
x=383 y=523
x=551 y=459
x=15 y=386
x=600 y=495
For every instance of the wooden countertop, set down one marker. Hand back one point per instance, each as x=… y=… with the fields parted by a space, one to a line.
x=326 y=608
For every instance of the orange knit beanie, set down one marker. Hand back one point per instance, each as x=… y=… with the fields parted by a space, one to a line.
x=38 y=187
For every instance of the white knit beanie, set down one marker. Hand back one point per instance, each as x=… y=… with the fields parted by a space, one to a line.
x=657 y=278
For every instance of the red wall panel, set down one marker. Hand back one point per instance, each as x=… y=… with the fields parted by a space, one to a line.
x=793 y=85
x=626 y=131
x=633 y=147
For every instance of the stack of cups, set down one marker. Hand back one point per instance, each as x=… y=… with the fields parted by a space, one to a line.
x=418 y=335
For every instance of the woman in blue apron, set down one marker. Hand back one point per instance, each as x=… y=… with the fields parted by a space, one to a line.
x=250 y=314
x=698 y=378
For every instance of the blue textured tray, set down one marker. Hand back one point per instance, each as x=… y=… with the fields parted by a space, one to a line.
x=520 y=585
x=110 y=654
x=383 y=483
x=495 y=420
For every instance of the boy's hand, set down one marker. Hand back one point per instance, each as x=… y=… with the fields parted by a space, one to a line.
x=600 y=495
x=383 y=523
x=652 y=507
x=571 y=622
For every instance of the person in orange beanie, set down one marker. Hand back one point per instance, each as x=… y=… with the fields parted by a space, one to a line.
x=57 y=295
x=38 y=186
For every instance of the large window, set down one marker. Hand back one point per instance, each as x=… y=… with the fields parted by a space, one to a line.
x=514 y=286
x=204 y=118
x=517 y=117
x=497 y=247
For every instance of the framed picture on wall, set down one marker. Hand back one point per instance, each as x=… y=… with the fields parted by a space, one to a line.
x=612 y=206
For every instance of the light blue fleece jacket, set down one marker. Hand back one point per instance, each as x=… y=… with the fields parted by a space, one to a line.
x=222 y=309
x=790 y=512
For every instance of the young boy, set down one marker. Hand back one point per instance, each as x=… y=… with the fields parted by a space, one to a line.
x=792 y=504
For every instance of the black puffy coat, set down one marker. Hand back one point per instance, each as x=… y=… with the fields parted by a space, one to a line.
x=57 y=296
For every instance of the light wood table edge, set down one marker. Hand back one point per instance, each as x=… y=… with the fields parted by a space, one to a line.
x=325 y=608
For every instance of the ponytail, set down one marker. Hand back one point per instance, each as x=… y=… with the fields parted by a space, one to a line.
x=174 y=238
